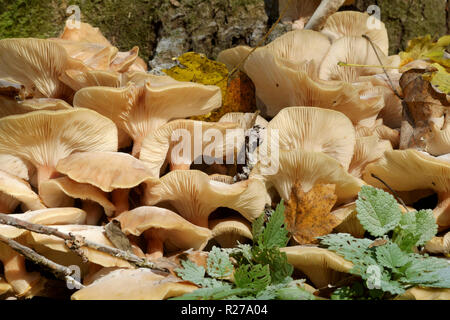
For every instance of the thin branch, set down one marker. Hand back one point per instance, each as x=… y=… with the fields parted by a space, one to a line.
x=61 y=272
x=74 y=242
x=393 y=192
x=323 y=11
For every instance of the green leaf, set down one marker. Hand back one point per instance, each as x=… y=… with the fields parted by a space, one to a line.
x=277 y=261
x=391 y=256
x=275 y=233
x=208 y=293
x=255 y=277
x=218 y=264
x=294 y=293
x=191 y=272
x=258 y=228
x=415 y=228
x=378 y=211
x=423 y=270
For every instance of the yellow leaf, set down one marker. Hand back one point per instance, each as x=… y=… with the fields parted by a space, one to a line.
x=425 y=48
x=440 y=78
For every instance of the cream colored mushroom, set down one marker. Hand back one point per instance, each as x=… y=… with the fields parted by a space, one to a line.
x=347 y=214
x=61 y=192
x=406 y=170
x=228 y=232
x=115 y=172
x=181 y=142
x=299 y=11
x=439 y=245
x=139 y=111
x=45 y=137
x=232 y=57
x=195 y=196
x=137 y=284
x=10 y=106
x=321 y=266
x=309 y=168
x=164 y=230
x=245 y=120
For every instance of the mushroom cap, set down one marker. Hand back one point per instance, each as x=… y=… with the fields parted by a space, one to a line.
x=298 y=9
x=355 y=24
x=36 y=64
x=10 y=106
x=233 y=56
x=5 y=287
x=307 y=128
x=309 y=168
x=141 y=110
x=133 y=284
x=229 y=231
x=439 y=244
x=367 y=150
x=14 y=190
x=172 y=229
x=45 y=137
x=84 y=33
x=60 y=192
x=320 y=265
x=166 y=141
x=15 y=166
x=352 y=50
x=51 y=216
x=245 y=120
x=195 y=196
x=45 y=243
x=79 y=79
x=347 y=215
x=105 y=170
x=419 y=293
x=406 y=170
x=438 y=140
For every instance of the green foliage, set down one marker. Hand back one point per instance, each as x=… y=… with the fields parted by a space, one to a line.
x=388 y=265
x=261 y=272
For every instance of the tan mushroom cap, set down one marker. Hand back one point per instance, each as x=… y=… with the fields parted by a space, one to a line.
x=279 y=86
x=320 y=265
x=61 y=192
x=177 y=142
x=439 y=245
x=438 y=140
x=367 y=150
x=168 y=228
x=222 y=178
x=45 y=243
x=50 y=216
x=353 y=50
x=84 y=33
x=15 y=166
x=105 y=170
x=10 y=106
x=245 y=120
x=310 y=168
x=45 y=137
x=233 y=56
x=418 y=293
x=347 y=215
x=381 y=131
x=137 y=284
x=5 y=287
x=79 y=79
x=139 y=111
x=406 y=170
x=13 y=191
x=195 y=196
x=298 y=12
x=308 y=129
x=356 y=24
x=36 y=64
x=228 y=232
x=25 y=284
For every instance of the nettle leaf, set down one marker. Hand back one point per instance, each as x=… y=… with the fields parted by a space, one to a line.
x=424 y=270
x=443 y=278
x=415 y=228
x=276 y=260
x=391 y=256
x=255 y=277
x=191 y=272
x=275 y=233
x=218 y=264
x=378 y=211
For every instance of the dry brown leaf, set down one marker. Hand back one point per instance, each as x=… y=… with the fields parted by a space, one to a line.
x=308 y=213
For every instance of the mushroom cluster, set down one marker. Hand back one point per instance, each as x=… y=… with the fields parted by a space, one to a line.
x=89 y=139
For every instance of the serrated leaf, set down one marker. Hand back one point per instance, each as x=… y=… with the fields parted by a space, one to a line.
x=191 y=272
x=415 y=228
x=207 y=293
x=255 y=277
x=294 y=293
x=275 y=233
x=277 y=261
x=378 y=211
x=391 y=256
x=218 y=264
x=423 y=270
x=258 y=228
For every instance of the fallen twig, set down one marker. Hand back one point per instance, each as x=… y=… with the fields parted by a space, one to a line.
x=74 y=242
x=320 y=16
x=60 y=271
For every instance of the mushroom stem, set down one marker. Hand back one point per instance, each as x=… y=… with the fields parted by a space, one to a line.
x=320 y=16
x=155 y=245
x=137 y=145
x=45 y=173
x=120 y=200
x=442 y=211
x=180 y=166
x=93 y=212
